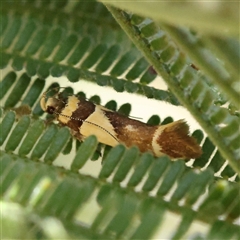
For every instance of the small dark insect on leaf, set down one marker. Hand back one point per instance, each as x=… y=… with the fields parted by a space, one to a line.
x=194 y=66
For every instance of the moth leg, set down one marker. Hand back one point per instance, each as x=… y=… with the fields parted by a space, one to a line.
x=50 y=120
x=77 y=135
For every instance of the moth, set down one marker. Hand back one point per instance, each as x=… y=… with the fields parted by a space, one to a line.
x=85 y=118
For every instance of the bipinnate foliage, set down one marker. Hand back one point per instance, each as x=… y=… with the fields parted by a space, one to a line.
x=126 y=50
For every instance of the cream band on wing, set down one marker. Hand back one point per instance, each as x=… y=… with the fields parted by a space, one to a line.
x=155 y=145
x=70 y=107
x=102 y=128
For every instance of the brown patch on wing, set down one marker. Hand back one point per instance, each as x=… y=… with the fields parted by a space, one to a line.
x=175 y=141
x=132 y=132
x=85 y=108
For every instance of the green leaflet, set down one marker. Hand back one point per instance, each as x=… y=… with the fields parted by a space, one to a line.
x=126 y=162
x=58 y=143
x=6 y=83
x=87 y=147
x=170 y=177
x=18 y=91
x=6 y=125
x=140 y=170
x=157 y=169
x=33 y=134
x=44 y=142
x=17 y=134
x=34 y=92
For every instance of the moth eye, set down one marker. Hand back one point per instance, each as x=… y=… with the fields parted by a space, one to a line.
x=50 y=109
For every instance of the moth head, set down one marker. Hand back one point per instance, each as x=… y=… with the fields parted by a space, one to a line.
x=51 y=105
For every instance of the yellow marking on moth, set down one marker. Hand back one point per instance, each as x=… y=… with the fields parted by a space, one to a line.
x=100 y=122
x=155 y=146
x=71 y=107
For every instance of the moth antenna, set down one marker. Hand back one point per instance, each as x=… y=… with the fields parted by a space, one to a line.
x=60 y=100
x=51 y=89
x=43 y=102
x=135 y=117
x=43 y=98
x=78 y=119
